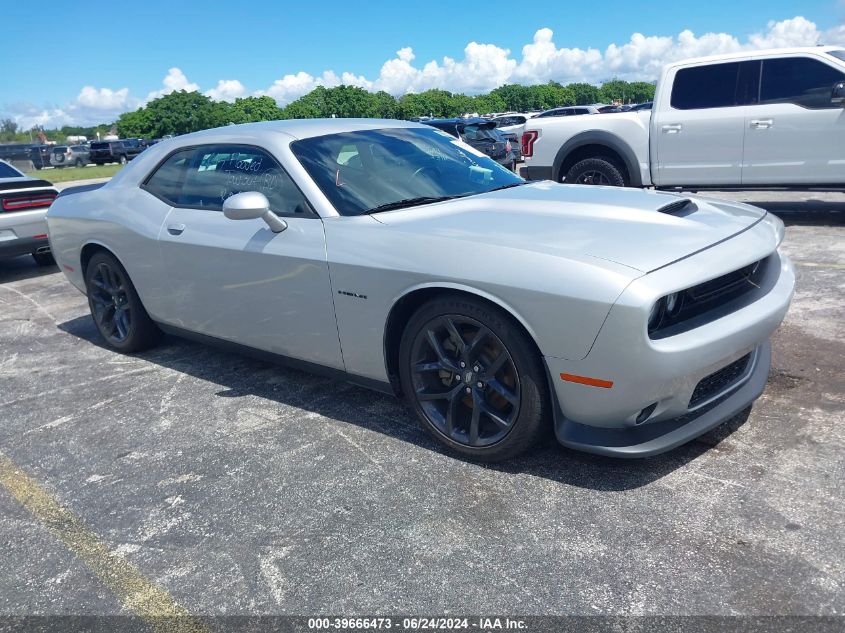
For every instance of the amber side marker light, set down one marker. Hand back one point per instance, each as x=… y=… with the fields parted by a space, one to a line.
x=585 y=380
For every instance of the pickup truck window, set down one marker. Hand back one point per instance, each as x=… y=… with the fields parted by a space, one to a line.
x=800 y=80
x=838 y=54
x=701 y=87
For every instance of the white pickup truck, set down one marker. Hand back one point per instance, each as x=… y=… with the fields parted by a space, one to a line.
x=764 y=119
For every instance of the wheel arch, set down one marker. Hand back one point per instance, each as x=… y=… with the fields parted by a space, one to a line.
x=409 y=302
x=595 y=144
x=90 y=249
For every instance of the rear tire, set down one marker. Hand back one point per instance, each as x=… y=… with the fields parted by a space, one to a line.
x=595 y=171
x=79 y=163
x=116 y=307
x=494 y=406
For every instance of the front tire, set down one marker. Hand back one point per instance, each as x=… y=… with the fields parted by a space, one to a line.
x=474 y=379
x=115 y=306
x=595 y=171
x=121 y=160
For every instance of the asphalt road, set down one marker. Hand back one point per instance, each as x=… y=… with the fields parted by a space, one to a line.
x=231 y=486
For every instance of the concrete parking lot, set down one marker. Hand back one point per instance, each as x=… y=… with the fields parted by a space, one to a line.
x=230 y=486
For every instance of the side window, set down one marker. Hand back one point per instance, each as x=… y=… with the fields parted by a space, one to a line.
x=166 y=181
x=701 y=87
x=219 y=171
x=800 y=80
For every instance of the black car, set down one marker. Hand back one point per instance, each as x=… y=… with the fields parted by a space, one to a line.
x=480 y=134
x=121 y=152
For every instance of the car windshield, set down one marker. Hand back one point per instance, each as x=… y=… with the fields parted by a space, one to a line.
x=7 y=171
x=839 y=53
x=375 y=170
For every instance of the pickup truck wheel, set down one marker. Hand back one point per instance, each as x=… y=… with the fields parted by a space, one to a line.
x=122 y=160
x=595 y=171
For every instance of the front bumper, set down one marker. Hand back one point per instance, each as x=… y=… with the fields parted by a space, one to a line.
x=648 y=408
x=658 y=437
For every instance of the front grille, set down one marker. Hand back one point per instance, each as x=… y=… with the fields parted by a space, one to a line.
x=719 y=381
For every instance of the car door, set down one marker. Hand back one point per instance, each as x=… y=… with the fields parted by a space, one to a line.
x=697 y=132
x=795 y=135
x=237 y=280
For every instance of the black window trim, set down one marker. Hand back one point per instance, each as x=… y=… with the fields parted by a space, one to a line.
x=311 y=213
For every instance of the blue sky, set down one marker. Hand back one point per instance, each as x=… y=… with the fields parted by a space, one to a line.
x=95 y=59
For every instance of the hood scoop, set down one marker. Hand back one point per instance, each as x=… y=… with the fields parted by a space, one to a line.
x=679 y=208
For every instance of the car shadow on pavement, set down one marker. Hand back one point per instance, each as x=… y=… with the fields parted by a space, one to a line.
x=20 y=268
x=244 y=376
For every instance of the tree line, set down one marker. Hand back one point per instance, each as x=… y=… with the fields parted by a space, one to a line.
x=183 y=112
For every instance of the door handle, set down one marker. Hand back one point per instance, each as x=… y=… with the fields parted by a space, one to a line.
x=175 y=229
x=672 y=128
x=762 y=124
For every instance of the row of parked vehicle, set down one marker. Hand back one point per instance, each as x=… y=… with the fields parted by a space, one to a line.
x=75 y=155
x=498 y=136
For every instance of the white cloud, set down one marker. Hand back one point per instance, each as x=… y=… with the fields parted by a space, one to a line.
x=483 y=67
x=173 y=81
x=226 y=90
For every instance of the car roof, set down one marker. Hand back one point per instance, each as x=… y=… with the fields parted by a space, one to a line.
x=303 y=128
x=766 y=52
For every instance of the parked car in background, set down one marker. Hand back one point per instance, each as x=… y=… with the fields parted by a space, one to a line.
x=641 y=106
x=40 y=155
x=513 y=139
x=762 y=119
x=23 y=206
x=386 y=253
x=103 y=152
x=69 y=156
x=134 y=146
x=480 y=134
x=568 y=111
x=512 y=123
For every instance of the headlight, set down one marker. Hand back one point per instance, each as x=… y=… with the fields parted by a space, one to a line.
x=673 y=303
x=656 y=314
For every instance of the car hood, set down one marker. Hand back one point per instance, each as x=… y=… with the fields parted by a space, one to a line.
x=631 y=227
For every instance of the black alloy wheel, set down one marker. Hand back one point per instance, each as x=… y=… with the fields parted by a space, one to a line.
x=110 y=303
x=473 y=378
x=465 y=380
x=115 y=306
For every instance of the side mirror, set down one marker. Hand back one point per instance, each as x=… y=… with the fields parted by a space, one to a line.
x=251 y=205
x=838 y=94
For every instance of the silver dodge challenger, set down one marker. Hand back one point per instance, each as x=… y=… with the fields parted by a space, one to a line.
x=397 y=257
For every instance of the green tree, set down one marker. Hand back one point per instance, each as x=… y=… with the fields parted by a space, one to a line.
x=584 y=94
x=641 y=91
x=179 y=112
x=250 y=109
x=8 y=129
